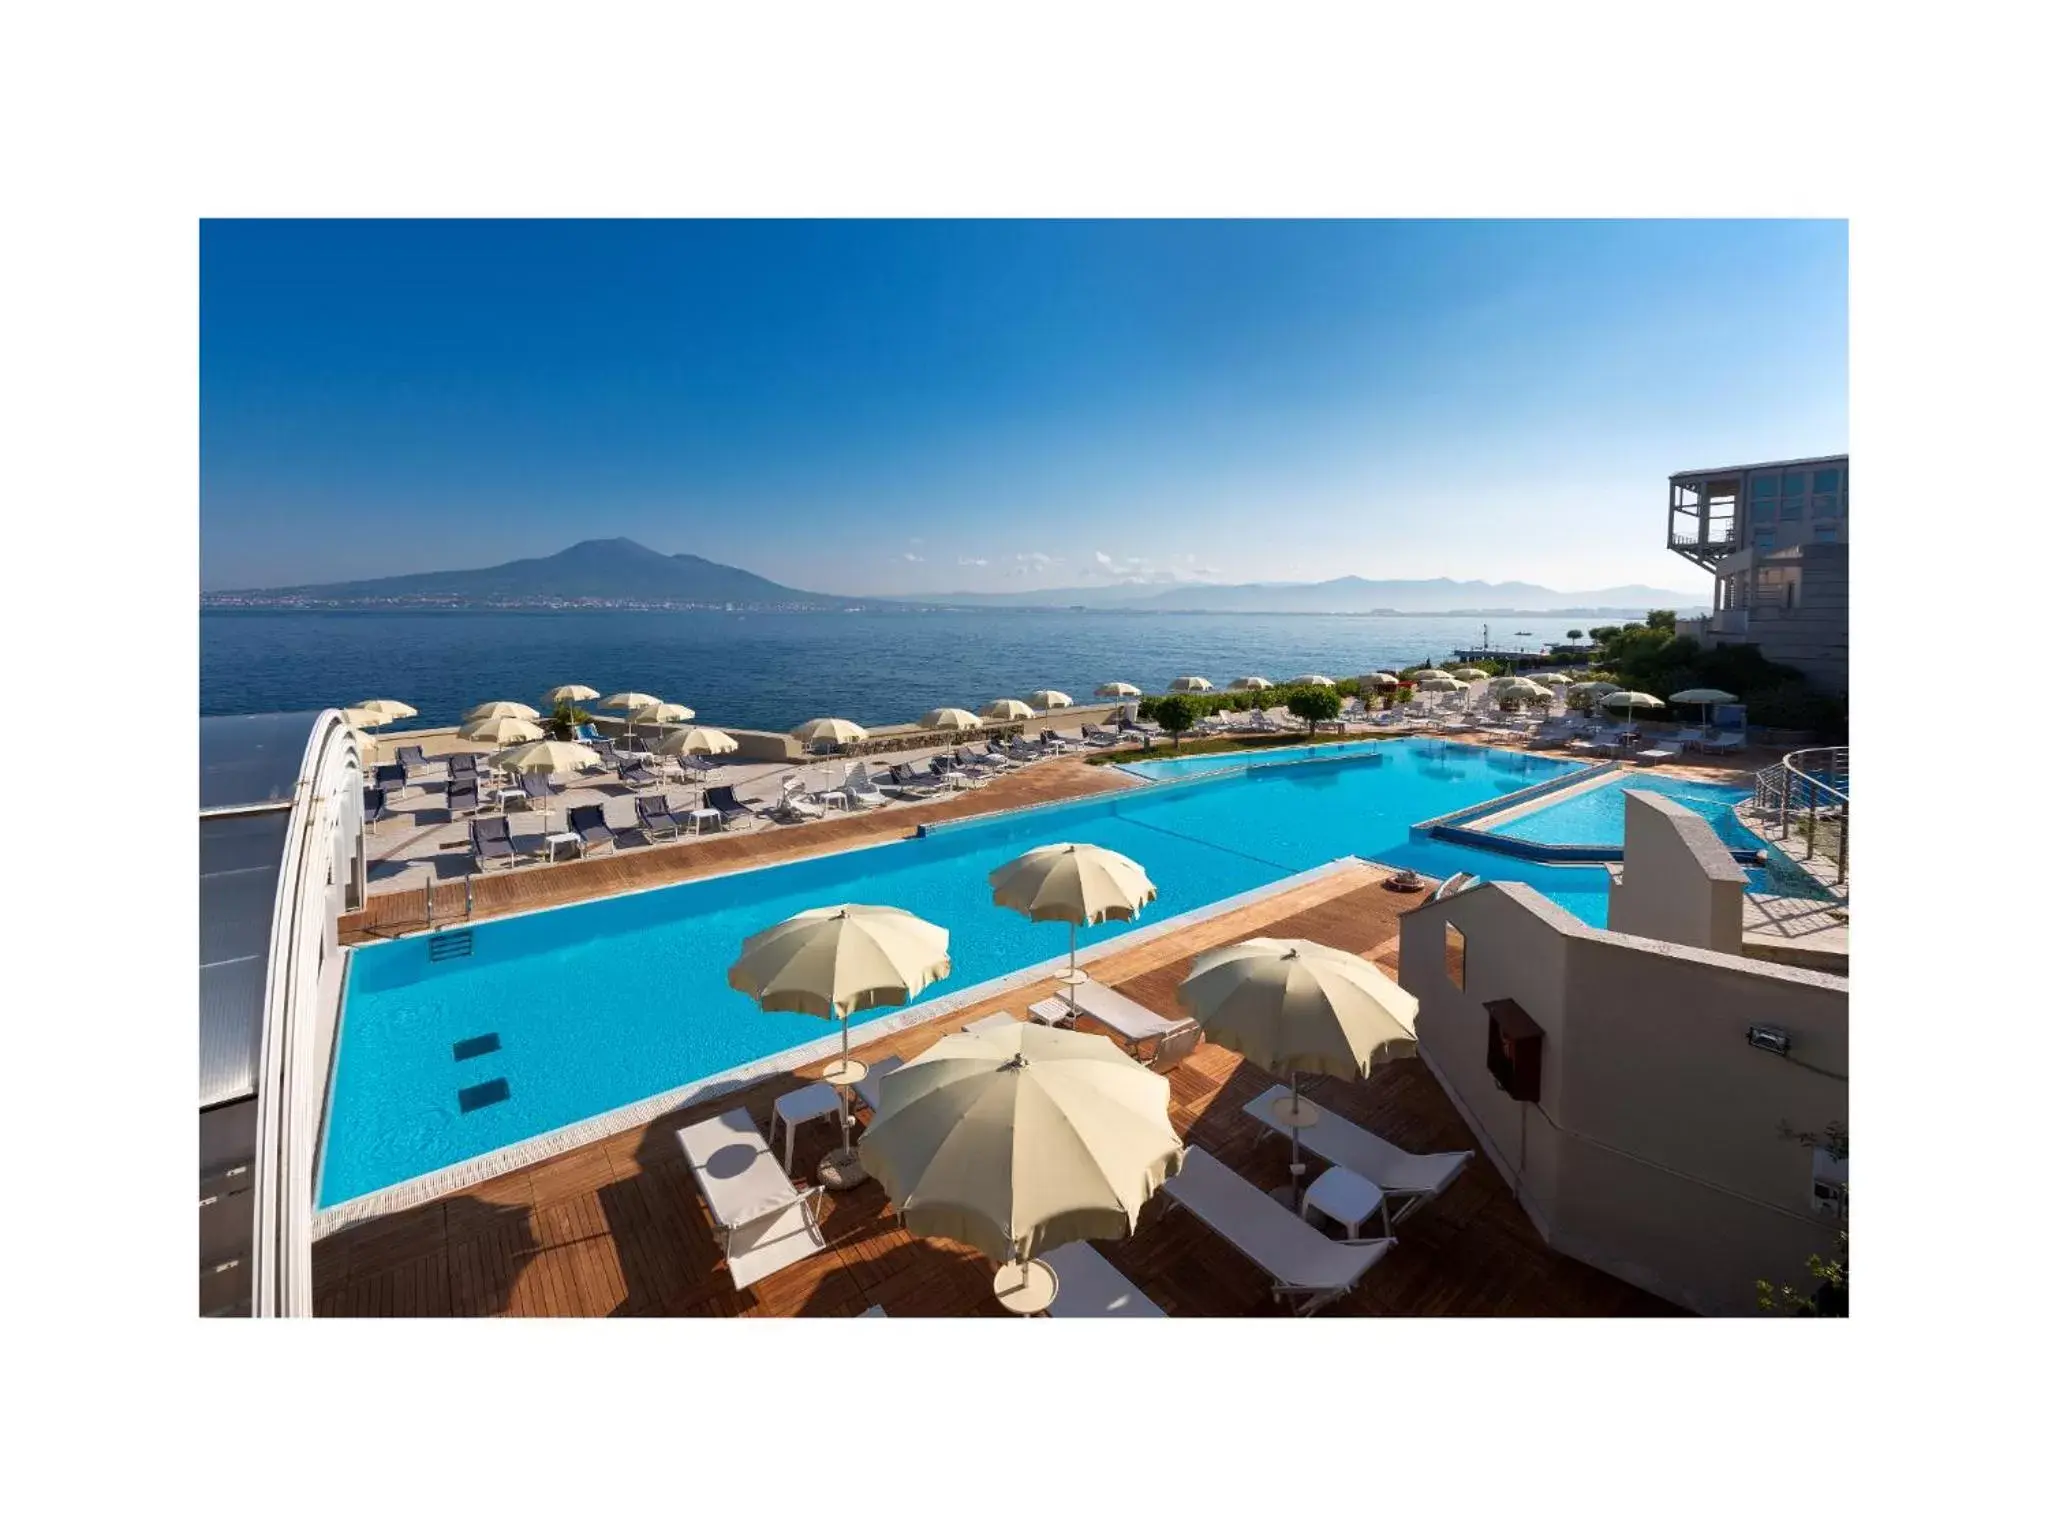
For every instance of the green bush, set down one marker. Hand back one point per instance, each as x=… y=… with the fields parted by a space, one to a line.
x=1175 y=713
x=563 y=722
x=1315 y=704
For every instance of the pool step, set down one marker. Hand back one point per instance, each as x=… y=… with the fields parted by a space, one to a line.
x=451 y=944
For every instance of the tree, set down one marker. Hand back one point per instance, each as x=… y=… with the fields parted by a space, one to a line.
x=1175 y=713
x=1575 y=635
x=1314 y=704
x=1661 y=618
x=1830 y=1295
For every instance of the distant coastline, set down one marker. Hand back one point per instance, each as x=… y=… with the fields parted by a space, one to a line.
x=233 y=603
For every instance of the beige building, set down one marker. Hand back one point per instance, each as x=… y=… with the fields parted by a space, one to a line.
x=1639 y=1086
x=1776 y=539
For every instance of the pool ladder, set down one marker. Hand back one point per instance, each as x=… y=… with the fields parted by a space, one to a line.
x=468 y=899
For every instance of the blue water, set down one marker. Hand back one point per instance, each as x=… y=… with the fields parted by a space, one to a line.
x=768 y=671
x=1596 y=819
x=564 y=1014
x=1169 y=768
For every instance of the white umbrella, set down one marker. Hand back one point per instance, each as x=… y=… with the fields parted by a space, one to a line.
x=546 y=757
x=832 y=962
x=950 y=720
x=630 y=701
x=1551 y=679
x=1191 y=684
x=502 y=709
x=1007 y=709
x=500 y=730
x=1018 y=1139
x=1470 y=674
x=1384 y=679
x=1704 y=697
x=699 y=739
x=832 y=729
x=662 y=714
x=357 y=718
x=1522 y=688
x=1048 y=698
x=390 y=709
x=1634 y=702
x=1252 y=682
x=1314 y=680
x=1432 y=672
x=568 y=693
x=1077 y=884
x=1289 y=1005
x=1119 y=691
x=1441 y=683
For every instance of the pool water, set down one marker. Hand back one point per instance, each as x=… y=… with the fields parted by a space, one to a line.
x=1169 y=768
x=561 y=1015
x=1596 y=818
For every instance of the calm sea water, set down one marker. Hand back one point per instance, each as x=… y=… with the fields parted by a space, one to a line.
x=769 y=671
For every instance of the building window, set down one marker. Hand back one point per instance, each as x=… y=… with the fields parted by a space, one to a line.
x=1795 y=484
x=1792 y=509
x=1766 y=539
x=1764 y=485
x=1828 y=480
x=1763 y=512
x=1823 y=506
x=1454 y=955
x=1824 y=535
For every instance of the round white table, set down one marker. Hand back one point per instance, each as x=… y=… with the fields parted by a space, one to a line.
x=1026 y=1289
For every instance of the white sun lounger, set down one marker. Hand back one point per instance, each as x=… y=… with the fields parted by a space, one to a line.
x=1409 y=1178
x=765 y=1222
x=870 y=1087
x=1091 y=1286
x=1308 y=1269
x=1133 y=1022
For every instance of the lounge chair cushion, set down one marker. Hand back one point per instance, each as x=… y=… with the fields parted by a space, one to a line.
x=1091 y=1286
x=1295 y=1254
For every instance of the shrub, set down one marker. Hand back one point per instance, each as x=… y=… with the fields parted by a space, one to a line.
x=1315 y=704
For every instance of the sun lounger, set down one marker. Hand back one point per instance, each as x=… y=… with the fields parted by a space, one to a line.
x=390 y=778
x=860 y=788
x=765 y=1223
x=462 y=797
x=590 y=827
x=587 y=735
x=490 y=837
x=913 y=785
x=637 y=775
x=1091 y=1286
x=373 y=807
x=1408 y=1178
x=1725 y=741
x=870 y=1087
x=536 y=787
x=720 y=798
x=796 y=803
x=1134 y=1023
x=1308 y=1269
x=412 y=760
x=655 y=818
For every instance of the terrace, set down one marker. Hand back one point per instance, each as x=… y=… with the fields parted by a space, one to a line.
x=615 y=1227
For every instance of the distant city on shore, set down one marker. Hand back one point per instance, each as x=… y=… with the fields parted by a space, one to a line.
x=623 y=575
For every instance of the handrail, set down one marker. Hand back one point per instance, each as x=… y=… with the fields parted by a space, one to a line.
x=1811 y=784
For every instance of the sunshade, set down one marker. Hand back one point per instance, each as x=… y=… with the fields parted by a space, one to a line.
x=1007 y=709
x=547 y=757
x=1432 y=672
x=829 y=728
x=1632 y=702
x=1470 y=674
x=630 y=701
x=950 y=720
x=357 y=718
x=501 y=709
x=698 y=738
x=1290 y=1005
x=1077 y=884
x=1438 y=684
x=1119 y=691
x=1704 y=697
x=832 y=962
x=1383 y=679
x=500 y=730
x=568 y=693
x=1191 y=684
x=1254 y=681
x=1314 y=680
x=1523 y=688
x=390 y=709
x=1048 y=698
x=1018 y=1139
x=662 y=714
x=1550 y=679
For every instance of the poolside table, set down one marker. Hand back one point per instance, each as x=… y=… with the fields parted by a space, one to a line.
x=813 y=1101
x=702 y=819
x=1347 y=1198
x=1655 y=755
x=557 y=841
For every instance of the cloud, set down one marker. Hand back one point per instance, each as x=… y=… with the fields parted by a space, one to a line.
x=917 y=541
x=1037 y=562
x=1126 y=570
x=913 y=557
x=972 y=560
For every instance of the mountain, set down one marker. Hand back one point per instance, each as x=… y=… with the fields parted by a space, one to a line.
x=1344 y=594
x=594 y=572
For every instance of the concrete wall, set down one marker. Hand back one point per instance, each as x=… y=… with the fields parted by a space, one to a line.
x=1655 y=1151
x=1678 y=882
x=1813 y=634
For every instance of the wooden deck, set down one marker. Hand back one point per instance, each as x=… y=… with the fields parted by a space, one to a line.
x=642 y=868
x=616 y=1228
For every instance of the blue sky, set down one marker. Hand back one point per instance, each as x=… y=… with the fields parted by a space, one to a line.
x=887 y=408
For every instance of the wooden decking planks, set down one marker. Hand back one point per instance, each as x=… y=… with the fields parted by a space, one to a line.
x=616 y=1228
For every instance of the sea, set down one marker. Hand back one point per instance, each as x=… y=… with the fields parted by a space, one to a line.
x=773 y=670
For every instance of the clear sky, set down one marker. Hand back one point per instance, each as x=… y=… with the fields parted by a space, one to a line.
x=890 y=408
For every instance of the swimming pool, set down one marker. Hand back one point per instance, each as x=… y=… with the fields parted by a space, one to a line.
x=1166 y=769
x=561 y=1015
x=1596 y=818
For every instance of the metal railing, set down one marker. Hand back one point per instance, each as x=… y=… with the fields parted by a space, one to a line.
x=1805 y=797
